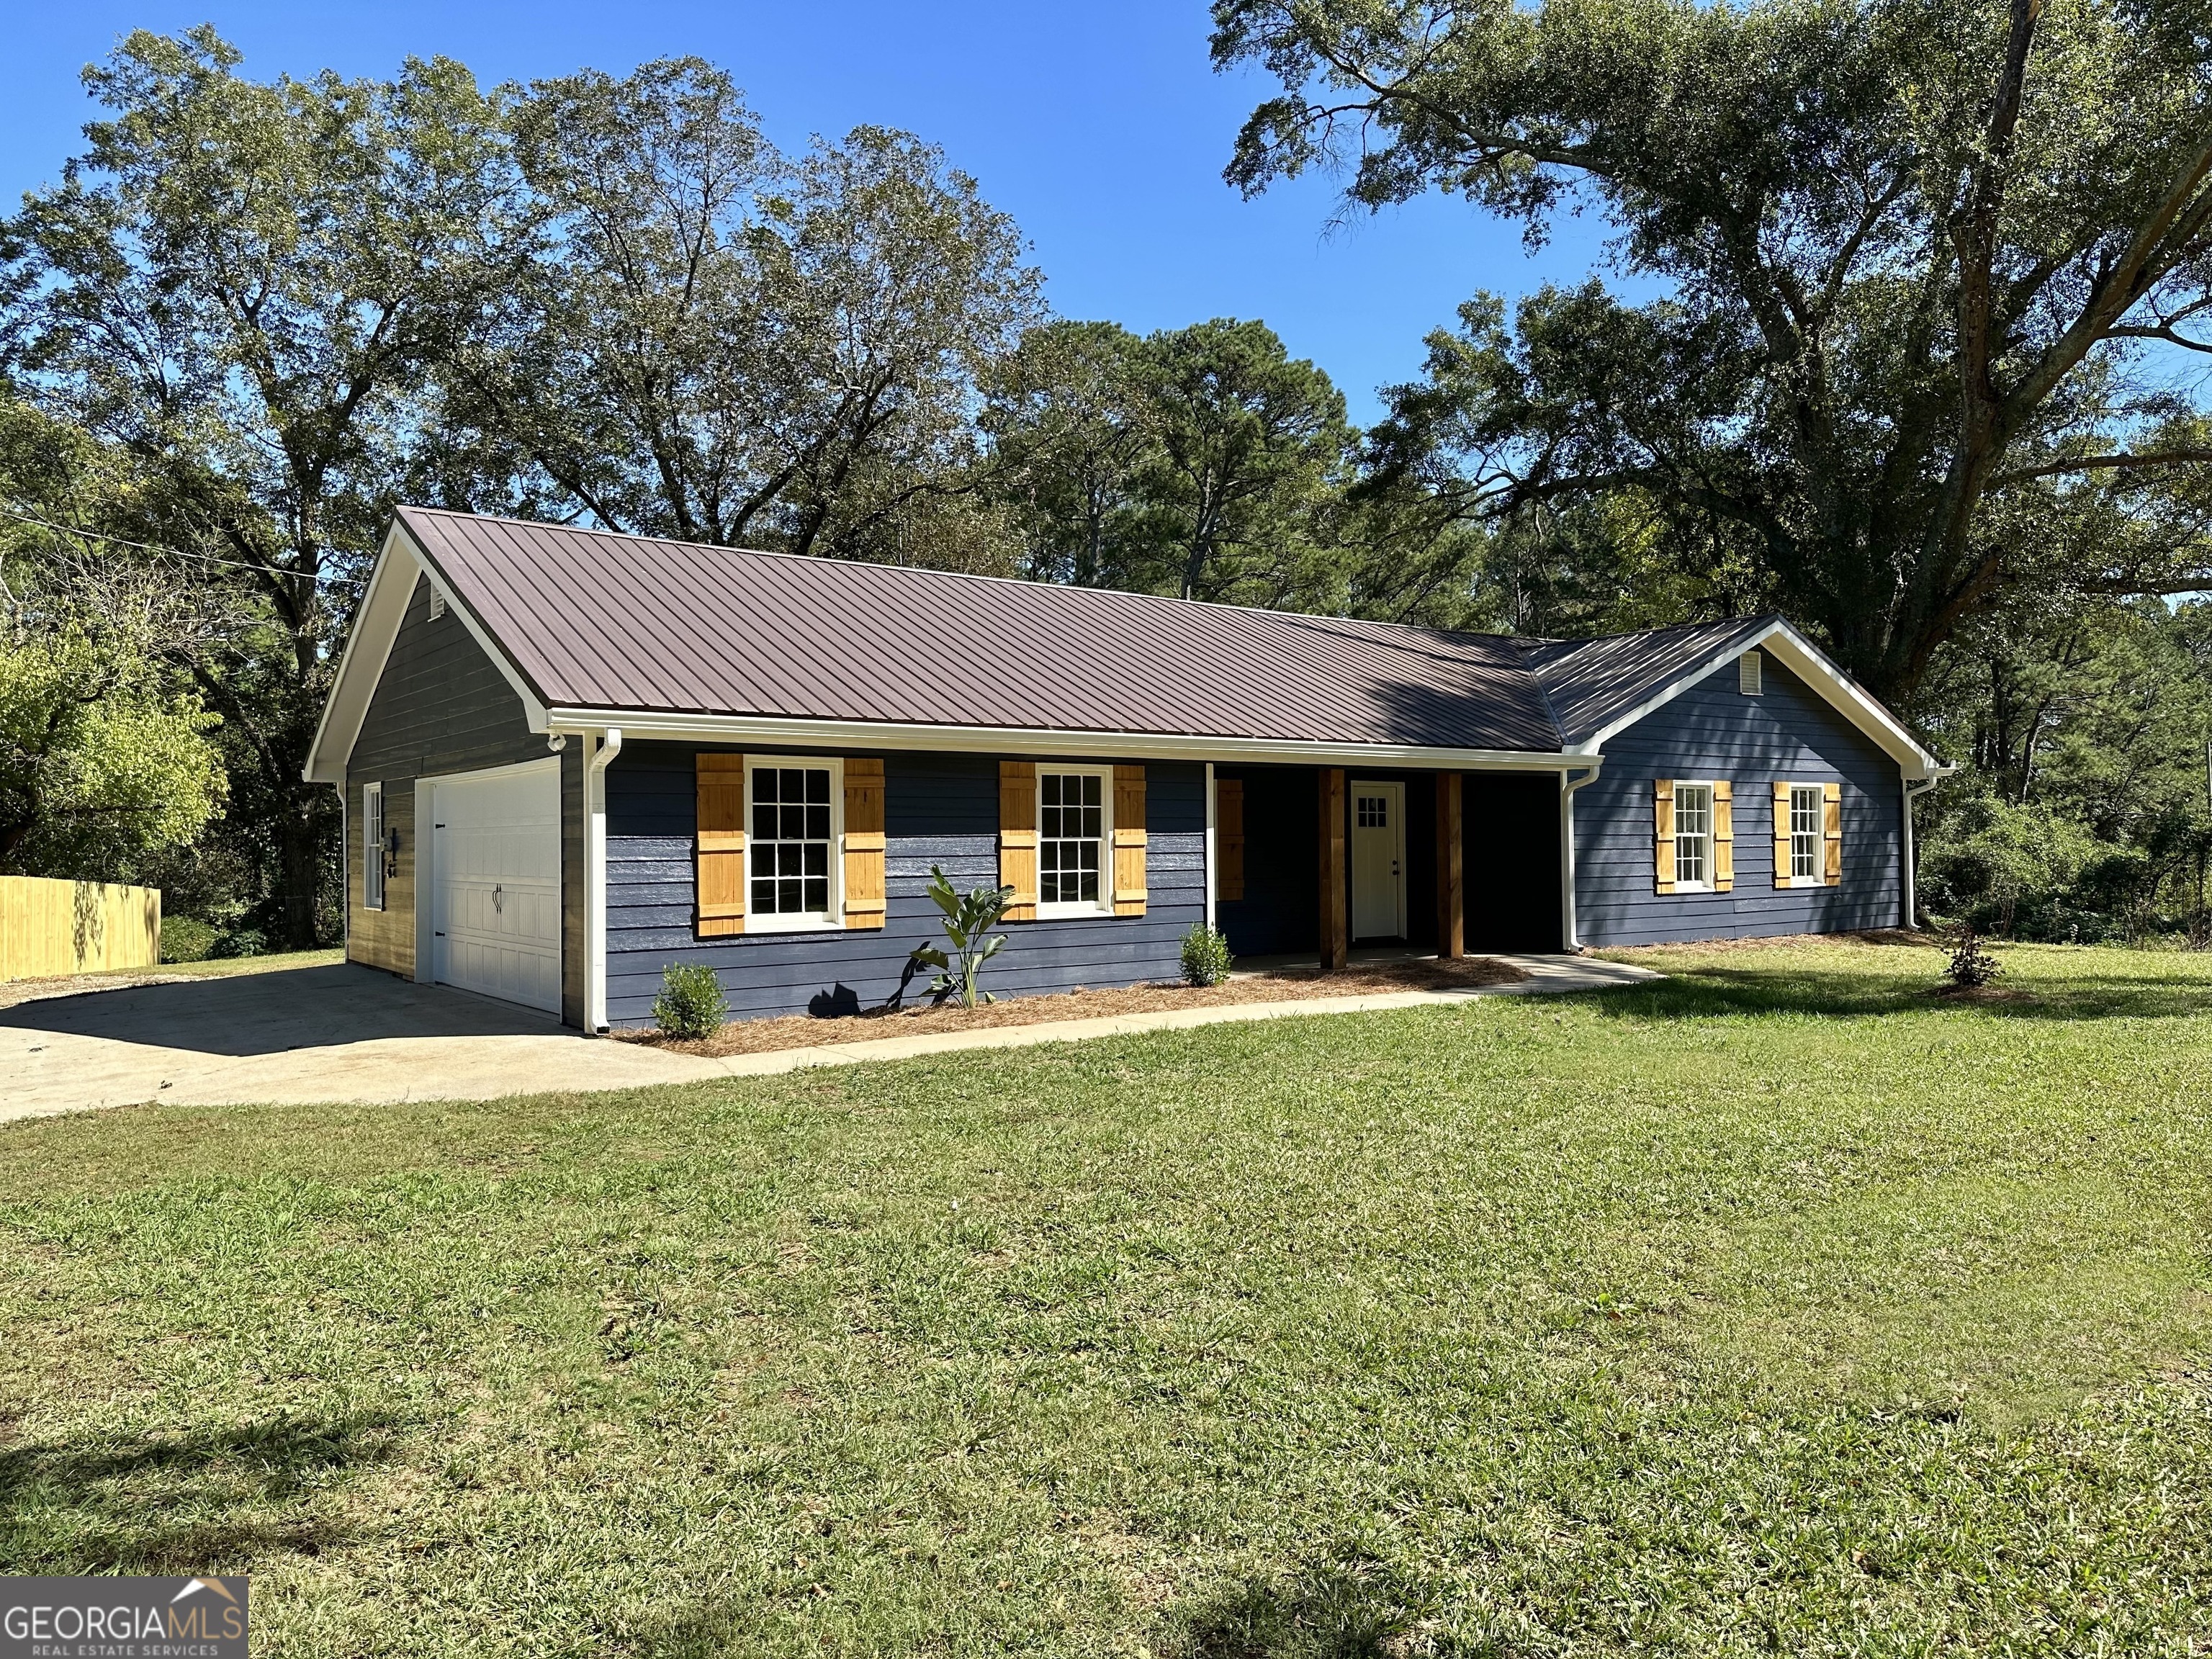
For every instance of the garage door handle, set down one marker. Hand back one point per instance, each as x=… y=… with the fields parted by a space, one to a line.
x=498 y=899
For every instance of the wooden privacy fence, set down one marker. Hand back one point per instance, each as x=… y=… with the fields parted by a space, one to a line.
x=52 y=928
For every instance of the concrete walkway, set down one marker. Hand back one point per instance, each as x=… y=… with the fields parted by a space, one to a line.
x=346 y=1034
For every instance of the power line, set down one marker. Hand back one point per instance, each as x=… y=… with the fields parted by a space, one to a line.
x=148 y=547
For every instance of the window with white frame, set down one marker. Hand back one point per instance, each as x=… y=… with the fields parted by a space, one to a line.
x=790 y=848
x=1748 y=670
x=372 y=847
x=1074 y=831
x=1694 y=835
x=1807 y=822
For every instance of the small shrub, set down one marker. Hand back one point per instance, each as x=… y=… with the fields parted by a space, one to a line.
x=186 y=939
x=690 y=1003
x=1971 y=967
x=1206 y=958
x=239 y=942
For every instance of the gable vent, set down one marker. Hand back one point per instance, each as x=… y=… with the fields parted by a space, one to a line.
x=437 y=604
x=1747 y=673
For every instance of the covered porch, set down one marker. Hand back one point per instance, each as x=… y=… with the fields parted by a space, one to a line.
x=1313 y=862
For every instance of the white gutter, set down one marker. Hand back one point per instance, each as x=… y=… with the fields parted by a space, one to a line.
x=1914 y=788
x=1570 y=938
x=866 y=736
x=609 y=745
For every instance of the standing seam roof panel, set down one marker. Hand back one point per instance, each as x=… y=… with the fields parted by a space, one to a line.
x=599 y=620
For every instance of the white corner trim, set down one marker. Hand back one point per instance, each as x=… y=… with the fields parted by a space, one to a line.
x=1805 y=659
x=368 y=649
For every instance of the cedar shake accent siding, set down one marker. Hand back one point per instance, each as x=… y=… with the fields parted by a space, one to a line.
x=1713 y=731
x=938 y=809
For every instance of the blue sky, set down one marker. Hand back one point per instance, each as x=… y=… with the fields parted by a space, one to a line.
x=1102 y=130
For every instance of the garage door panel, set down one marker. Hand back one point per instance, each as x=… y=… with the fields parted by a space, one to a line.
x=499 y=886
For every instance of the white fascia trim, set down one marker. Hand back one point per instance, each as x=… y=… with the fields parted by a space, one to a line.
x=866 y=736
x=1803 y=659
x=361 y=665
x=368 y=648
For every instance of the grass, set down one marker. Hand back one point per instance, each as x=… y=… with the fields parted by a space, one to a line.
x=226 y=967
x=1773 y=1307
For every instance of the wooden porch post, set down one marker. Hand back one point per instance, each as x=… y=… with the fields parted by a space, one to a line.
x=1451 y=891
x=1336 y=924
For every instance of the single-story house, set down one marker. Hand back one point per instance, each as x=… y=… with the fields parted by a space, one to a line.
x=572 y=758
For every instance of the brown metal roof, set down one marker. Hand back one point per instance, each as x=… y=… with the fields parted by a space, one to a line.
x=597 y=621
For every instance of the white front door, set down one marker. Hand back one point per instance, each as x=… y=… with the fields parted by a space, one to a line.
x=497 y=864
x=1379 y=861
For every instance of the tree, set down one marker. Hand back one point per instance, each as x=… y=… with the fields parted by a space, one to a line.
x=1251 y=444
x=104 y=760
x=1072 y=431
x=1203 y=462
x=714 y=342
x=242 y=287
x=99 y=761
x=2084 y=723
x=1911 y=256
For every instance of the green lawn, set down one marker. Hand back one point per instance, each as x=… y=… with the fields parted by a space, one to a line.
x=1775 y=1308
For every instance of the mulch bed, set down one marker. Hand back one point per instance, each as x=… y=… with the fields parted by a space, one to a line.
x=754 y=1036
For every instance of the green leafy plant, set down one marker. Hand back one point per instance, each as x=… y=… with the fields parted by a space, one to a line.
x=690 y=1003
x=1206 y=958
x=969 y=919
x=1971 y=967
x=187 y=939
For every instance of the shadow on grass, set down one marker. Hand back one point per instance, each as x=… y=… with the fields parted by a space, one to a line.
x=1705 y=992
x=1335 y=1611
x=177 y=1504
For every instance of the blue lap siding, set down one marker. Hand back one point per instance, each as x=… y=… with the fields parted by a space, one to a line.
x=1712 y=731
x=939 y=809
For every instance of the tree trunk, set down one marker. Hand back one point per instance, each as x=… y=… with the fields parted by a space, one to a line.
x=303 y=831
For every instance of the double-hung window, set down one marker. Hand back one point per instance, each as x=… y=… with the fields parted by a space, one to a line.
x=372 y=847
x=1693 y=836
x=790 y=849
x=1074 y=836
x=1806 y=827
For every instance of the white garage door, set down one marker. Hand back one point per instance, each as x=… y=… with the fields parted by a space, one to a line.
x=497 y=859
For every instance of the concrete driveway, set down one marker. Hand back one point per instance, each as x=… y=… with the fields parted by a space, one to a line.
x=334 y=1032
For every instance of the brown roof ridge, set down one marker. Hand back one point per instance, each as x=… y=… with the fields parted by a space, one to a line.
x=1031 y=584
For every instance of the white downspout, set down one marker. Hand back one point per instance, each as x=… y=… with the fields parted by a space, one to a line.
x=1567 y=926
x=595 y=879
x=1209 y=846
x=1914 y=788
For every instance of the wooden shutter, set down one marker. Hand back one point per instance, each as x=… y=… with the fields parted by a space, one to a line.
x=1662 y=833
x=1129 y=840
x=863 y=842
x=1017 y=837
x=1784 y=870
x=1229 y=838
x=1723 y=836
x=721 y=845
x=1832 y=831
